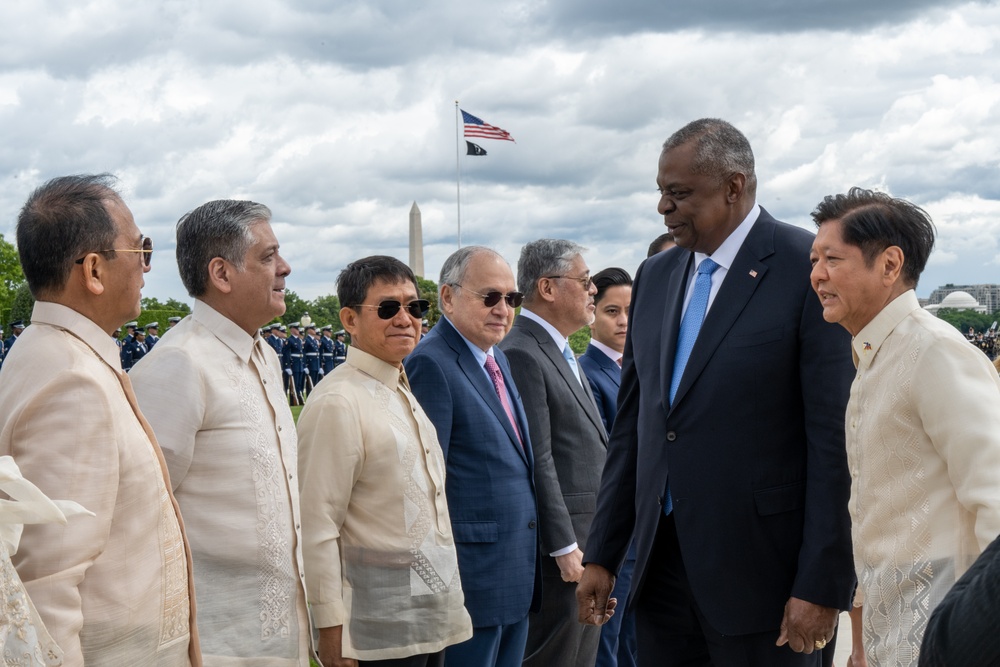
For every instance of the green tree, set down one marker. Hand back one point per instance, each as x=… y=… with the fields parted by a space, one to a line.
x=295 y=306
x=326 y=310
x=429 y=290
x=963 y=319
x=11 y=275
x=579 y=340
x=22 y=304
x=174 y=304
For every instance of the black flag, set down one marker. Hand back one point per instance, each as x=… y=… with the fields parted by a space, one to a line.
x=473 y=149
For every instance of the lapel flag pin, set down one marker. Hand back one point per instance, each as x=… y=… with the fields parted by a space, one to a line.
x=753 y=274
x=867 y=346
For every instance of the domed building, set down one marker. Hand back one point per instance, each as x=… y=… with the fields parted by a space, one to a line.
x=958 y=300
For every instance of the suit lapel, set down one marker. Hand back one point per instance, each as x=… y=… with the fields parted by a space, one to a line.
x=676 y=285
x=478 y=379
x=607 y=366
x=580 y=390
x=742 y=280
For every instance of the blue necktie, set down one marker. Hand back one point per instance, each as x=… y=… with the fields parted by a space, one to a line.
x=571 y=360
x=690 y=326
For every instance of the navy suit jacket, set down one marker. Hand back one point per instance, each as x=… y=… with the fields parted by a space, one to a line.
x=605 y=378
x=489 y=477
x=753 y=443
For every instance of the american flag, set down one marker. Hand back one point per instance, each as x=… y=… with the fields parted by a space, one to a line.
x=475 y=127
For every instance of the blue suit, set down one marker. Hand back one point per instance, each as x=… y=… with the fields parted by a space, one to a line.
x=618 y=645
x=490 y=484
x=753 y=445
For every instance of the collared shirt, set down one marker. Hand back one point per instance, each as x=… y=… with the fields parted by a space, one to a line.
x=923 y=446
x=214 y=397
x=480 y=355
x=724 y=256
x=613 y=355
x=113 y=588
x=379 y=551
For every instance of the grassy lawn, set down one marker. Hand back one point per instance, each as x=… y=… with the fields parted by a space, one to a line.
x=296 y=409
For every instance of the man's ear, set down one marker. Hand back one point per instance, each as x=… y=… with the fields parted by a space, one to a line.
x=349 y=319
x=546 y=289
x=92 y=274
x=220 y=275
x=892 y=264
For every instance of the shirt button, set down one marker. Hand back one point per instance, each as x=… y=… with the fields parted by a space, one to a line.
x=265 y=381
x=531 y=524
x=671 y=436
x=279 y=428
x=290 y=475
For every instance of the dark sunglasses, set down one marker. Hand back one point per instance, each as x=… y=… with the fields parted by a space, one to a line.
x=491 y=299
x=388 y=309
x=146 y=249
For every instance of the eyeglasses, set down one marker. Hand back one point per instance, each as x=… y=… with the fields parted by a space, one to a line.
x=147 y=249
x=585 y=281
x=491 y=299
x=388 y=309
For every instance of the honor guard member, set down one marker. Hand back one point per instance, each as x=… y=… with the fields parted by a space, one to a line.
x=3 y=346
x=172 y=322
x=292 y=360
x=310 y=353
x=339 y=349
x=152 y=335
x=326 y=349
x=117 y=335
x=16 y=328
x=141 y=348
x=274 y=340
x=130 y=347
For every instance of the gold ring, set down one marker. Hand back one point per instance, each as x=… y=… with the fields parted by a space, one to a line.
x=819 y=643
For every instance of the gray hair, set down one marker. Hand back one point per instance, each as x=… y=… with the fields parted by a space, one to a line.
x=541 y=258
x=720 y=151
x=457 y=265
x=219 y=228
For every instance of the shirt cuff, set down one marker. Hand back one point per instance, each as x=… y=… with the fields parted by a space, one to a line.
x=566 y=550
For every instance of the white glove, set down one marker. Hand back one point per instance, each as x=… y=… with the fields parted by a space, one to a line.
x=288 y=371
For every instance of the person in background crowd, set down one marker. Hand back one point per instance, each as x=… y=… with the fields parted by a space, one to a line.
x=567 y=436
x=310 y=354
x=464 y=384
x=381 y=567
x=152 y=335
x=923 y=422
x=726 y=465
x=115 y=588
x=339 y=349
x=211 y=391
x=326 y=349
x=660 y=243
x=129 y=346
x=16 y=328
x=602 y=364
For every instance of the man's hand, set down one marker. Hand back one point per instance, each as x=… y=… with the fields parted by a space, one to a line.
x=805 y=624
x=571 y=566
x=593 y=595
x=330 y=648
x=288 y=371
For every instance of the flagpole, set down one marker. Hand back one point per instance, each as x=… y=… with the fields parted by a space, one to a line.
x=458 y=177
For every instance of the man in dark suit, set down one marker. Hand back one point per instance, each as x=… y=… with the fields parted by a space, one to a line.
x=463 y=383
x=602 y=364
x=727 y=453
x=567 y=436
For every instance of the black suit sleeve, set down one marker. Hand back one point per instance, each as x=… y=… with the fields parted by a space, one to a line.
x=962 y=630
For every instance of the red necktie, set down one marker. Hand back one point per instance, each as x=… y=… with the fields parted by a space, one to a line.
x=494 y=370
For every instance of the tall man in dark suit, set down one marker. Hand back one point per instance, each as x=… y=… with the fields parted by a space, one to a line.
x=464 y=384
x=567 y=436
x=727 y=453
x=602 y=364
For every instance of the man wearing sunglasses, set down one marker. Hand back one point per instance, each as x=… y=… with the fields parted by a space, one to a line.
x=464 y=383
x=113 y=589
x=381 y=567
x=212 y=392
x=567 y=435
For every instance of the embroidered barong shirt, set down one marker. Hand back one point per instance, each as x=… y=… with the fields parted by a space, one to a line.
x=112 y=589
x=923 y=445
x=214 y=397
x=379 y=551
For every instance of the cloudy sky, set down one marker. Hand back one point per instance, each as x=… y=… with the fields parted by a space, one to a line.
x=340 y=114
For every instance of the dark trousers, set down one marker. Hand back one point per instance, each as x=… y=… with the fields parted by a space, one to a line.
x=672 y=631
x=494 y=646
x=555 y=637
x=617 y=647
x=426 y=660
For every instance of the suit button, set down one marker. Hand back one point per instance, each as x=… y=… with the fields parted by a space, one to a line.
x=531 y=524
x=671 y=436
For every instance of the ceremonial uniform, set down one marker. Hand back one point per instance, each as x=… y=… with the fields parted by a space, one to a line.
x=326 y=353
x=339 y=352
x=291 y=359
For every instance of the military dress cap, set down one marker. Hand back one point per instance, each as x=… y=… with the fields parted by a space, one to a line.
x=340 y=333
x=174 y=319
x=311 y=326
x=293 y=325
x=282 y=328
x=327 y=327
x=17 y=324
x=132 y=325
x=153 y=325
